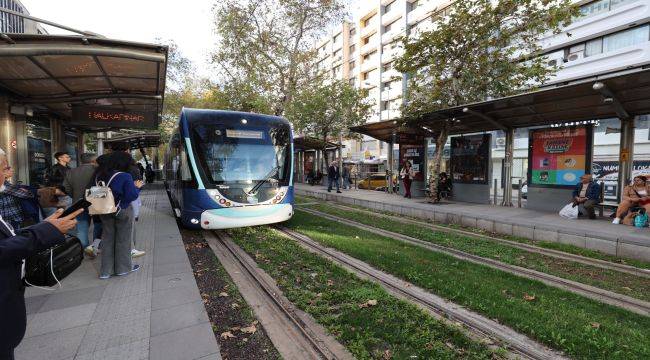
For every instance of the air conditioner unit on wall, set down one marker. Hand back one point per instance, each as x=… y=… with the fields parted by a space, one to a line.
x=501 y=141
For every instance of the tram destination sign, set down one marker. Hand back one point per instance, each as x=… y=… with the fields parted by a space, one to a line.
x=98 y=117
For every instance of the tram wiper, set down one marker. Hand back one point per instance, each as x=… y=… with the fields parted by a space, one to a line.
x=259 y=183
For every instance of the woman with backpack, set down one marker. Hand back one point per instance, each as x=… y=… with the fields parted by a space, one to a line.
x=113 y=171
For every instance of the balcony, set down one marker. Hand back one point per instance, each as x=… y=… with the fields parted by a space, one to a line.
x=369 y=65
x=369 y=47
x=391 y=54
x=386 y=38
x=369 y=30
x=391 y=16
x=391 y=94
x=390 y=75
x=600 y=24
x=420 y=13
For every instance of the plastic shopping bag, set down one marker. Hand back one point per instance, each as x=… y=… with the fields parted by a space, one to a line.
x=570 y=211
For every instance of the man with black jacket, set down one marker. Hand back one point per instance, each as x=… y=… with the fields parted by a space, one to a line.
x=333 y=176
x=59 y=170
x=15 y=246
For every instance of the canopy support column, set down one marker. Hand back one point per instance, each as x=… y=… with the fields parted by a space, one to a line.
x=391 y=162
x=507 y=164
x=626 y=154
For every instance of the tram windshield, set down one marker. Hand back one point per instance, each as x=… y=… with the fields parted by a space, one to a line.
x=244 y=156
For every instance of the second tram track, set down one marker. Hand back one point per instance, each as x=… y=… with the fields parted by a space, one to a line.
x=294 y=333
x=631 y=304
x=603 y=264
x=479 y=327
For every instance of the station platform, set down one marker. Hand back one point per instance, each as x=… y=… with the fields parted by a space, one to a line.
x=154 y=313
x=601 y=234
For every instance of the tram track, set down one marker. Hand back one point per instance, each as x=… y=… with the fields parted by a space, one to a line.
x=477 y=326
x=294 y=333
x=603 y=264
x=631 y=304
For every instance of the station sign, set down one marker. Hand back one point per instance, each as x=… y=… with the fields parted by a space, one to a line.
x=99 y=117
x=470 y=159
x=558 y=157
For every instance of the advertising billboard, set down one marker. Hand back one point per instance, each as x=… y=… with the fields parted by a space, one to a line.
x=415 y=155
x=607 y=172
x=470 y=159
x=559 y=157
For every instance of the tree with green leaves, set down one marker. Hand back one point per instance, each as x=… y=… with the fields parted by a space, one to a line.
x=327 y=110
x=267 y=44
x=482 y=49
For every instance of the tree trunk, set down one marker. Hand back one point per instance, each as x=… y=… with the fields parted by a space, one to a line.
x=437 y=161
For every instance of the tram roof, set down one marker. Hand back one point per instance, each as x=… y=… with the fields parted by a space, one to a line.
x=122 y=82
x=604 y=96
x=192 y=114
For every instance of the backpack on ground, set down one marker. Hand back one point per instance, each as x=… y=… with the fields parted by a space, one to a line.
x=101 y=198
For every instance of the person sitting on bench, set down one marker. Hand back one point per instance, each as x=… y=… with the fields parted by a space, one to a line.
x=637 y=194
x=586 y=196
x=444 y=186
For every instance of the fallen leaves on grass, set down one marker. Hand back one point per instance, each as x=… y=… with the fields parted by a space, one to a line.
x=529 y=297
x=234 y=306
x=595 y=325
x=330 y=282
x=388 y=355
x=223 y=294
x=227 y=335
x=626 y=288
x=368 y=303
x=249 y=329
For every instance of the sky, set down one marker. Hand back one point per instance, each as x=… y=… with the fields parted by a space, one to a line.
x=187 y=22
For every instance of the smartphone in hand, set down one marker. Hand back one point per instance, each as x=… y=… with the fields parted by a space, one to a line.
x=79 y=204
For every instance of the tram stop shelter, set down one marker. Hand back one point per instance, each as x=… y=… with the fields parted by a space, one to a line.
x=72 y=85
x=623 y=96
x=309 y=154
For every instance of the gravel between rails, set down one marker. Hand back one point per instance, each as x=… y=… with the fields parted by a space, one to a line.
x=479 y=327
x=530 y=248
x=294 y=333
x=634 y=305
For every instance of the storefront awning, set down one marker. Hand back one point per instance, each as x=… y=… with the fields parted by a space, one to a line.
x=599 y=97
x=90 y=82
x=134 y=142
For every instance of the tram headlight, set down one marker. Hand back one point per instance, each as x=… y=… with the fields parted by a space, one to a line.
x=194 y=221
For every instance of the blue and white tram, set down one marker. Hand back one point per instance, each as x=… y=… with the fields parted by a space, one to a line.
x=226 y=169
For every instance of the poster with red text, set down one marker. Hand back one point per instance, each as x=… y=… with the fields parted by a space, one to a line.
x=559 y=156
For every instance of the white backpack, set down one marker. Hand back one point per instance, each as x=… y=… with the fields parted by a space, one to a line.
x=101 y=198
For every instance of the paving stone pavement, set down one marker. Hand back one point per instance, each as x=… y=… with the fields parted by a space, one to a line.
x=155 y=313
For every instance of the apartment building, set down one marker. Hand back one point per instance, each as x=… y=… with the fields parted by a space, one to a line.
x=10 y=23
x=610 y=36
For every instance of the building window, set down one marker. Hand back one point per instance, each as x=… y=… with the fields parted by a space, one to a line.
x=415 y=4
x=602 y=6
x=391 y=26
x=353 y=32
x=387 y=67
x=352 y=65
x=367 y=22
x=353 y=81
x=388 y=7
x=352 y=48
x=625 y=38
x=337 y=53
x=337 y=38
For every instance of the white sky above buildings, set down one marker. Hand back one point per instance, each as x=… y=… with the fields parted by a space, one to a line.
x=188 y=22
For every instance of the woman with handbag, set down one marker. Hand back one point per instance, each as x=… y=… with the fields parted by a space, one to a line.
x=637 y=194
x=407 y=174
x=117 y=226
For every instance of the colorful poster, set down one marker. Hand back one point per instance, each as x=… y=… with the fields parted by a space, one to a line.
x=559 y=157
x=415 y=155
x=470 y=159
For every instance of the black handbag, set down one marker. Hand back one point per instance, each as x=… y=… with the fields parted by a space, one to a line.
x=59 y=261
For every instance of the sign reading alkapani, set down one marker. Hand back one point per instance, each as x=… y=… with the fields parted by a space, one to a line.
x=558 y=157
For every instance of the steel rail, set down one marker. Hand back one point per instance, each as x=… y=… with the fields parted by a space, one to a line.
x=479 y=327
x=317 y=347
x=603 y=264
x=634 y=305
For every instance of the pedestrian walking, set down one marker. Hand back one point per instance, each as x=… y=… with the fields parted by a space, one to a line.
x=407 y=174
x=117 y=227
x=75 y=184
x=333 y=177
x=11 y=198
x=346 y=177
x=15 y=246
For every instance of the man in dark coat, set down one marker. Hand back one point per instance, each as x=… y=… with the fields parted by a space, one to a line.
x=333 y=177
x=15 y=246
x=586 y=196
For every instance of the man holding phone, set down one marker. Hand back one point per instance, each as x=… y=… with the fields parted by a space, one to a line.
x=15 y=246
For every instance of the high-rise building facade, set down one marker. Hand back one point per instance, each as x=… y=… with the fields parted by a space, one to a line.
x=10 y=23
x=610 y=36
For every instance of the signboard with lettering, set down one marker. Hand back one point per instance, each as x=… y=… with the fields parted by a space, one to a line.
x=415 y=155
x=470 y=159
x=607 y=172
x=98 y=117
x=559 y=156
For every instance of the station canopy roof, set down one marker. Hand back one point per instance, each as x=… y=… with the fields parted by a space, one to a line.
x=91 y=82
x=135 y=141
x=599 y=97
x=302 y=143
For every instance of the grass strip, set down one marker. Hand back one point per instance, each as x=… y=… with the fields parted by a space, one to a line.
x=572 y=249
x=581 y=327
x=612 y=280
x=339 y=301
